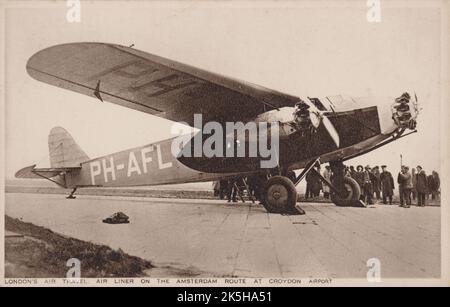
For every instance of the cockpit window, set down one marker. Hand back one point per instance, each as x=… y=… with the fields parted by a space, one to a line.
x=338 y=102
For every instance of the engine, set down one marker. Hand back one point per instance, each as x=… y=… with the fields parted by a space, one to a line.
x=402 y=114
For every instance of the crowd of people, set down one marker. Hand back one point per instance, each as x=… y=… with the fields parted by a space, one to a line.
x=376 y=184
x=235 y=187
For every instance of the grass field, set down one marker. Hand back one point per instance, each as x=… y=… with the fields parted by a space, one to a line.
x=39 y=252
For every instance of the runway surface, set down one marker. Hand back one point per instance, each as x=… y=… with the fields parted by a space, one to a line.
x=215 y=239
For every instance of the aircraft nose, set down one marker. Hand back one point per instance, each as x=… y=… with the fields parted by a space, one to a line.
x=405 y=111
x=397 y=113
x=385 y=115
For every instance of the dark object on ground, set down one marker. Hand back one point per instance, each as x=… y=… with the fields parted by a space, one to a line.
x=300 y=211
x=296 y=210
x=43 y=254
x=117 y=218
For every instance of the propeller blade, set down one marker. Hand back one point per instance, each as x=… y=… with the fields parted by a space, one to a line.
x=416 y=103
x=331 y=130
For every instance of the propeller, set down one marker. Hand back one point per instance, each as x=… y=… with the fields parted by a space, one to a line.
x=317 y=117
x=331 y=130
x=416 y=104
x=413 y=121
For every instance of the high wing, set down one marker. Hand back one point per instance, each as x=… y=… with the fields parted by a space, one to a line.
x=152 y=84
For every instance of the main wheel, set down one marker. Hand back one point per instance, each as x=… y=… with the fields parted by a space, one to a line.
x=351 y=193
x=280 y=195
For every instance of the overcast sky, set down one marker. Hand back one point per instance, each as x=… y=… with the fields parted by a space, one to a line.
x=302 y=51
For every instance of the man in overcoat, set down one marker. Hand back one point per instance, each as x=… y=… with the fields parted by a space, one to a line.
x=421 y=186
x=387 y=185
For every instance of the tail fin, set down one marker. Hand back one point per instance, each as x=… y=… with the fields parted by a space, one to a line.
x=63 y=150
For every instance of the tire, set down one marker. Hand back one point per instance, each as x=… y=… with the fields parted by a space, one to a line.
x=353 y=193
x=280 y=195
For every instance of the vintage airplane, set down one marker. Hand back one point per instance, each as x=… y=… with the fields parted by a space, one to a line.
x=331 y=129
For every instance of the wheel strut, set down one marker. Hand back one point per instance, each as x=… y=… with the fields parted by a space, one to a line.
x=306 y=170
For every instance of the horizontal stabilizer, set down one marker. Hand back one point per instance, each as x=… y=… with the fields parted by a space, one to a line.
x=27 y=172
x=54 y=174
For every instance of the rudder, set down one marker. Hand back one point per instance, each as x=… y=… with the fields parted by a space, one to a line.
x=63 y=150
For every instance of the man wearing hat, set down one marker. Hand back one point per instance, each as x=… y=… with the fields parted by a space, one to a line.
x=421 y=186
x=367 y=185
x=387 y=185
x=359 y=177
x=327 y=175
x=405 y=186
x=376 y=181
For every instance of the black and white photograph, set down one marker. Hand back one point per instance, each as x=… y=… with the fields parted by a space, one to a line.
x=225 y=143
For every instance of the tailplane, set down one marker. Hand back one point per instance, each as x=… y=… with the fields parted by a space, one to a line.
x=63 y=150
x=65 y=160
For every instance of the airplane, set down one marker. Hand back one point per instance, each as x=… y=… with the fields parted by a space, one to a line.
x=330 y=130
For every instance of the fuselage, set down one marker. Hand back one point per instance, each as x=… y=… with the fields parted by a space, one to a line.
x=156 y=163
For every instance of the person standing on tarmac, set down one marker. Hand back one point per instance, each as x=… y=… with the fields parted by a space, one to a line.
x=414 y=182
x=434 y=184
x=327 y=175
x=421 y=186
x=316 y=183
x=308 y=186
x=387 y=185
x=231 y=190
x=376 y=182
x=359 y=177
x=368 y=185
x=405 y=186
x=223 y=188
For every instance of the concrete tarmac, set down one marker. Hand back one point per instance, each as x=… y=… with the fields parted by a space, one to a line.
x=216 y=239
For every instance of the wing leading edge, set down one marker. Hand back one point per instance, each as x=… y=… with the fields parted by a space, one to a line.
x=152 y=84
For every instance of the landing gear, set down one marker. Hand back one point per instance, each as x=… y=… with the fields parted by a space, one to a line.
x=345 y=190
x=279 y=195
x=349 y=195
x=71 y=196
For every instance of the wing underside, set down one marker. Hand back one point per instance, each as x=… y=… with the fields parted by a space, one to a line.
x=152 y=84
